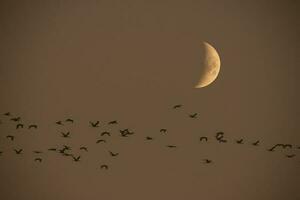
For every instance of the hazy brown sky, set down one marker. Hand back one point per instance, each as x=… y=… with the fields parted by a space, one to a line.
x=132 y=61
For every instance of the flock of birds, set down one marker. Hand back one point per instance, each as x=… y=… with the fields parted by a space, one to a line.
x=65 y=150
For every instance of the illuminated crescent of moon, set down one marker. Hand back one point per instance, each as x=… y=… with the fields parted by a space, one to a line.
x=211 y=68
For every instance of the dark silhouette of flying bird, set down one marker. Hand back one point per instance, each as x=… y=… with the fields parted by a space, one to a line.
x=272 y=148
x=104 y=167
x=101 y=140
x=16 y=119
x=290 y=156
x=7 y=114
x=18 y=151
x=177 y=106
x=19 y=126
x=207 y=161
x=65 y=135
x=59 y=123
x=83 y=148
x=163 y=130
x=67 y=154
x=32 y=126
x=171 y=146
x=193 y=115
x=112 y=122
x=38 y=160
x=219 y=135
x=113 y=154
x=240 y=141
x=1 y=152
x=255 y=143
x=69 y=120
x=203 y=138
x=105 y=133
x=149 y=138
x=52 y=149
x=37 y=152
x=76 y=159
x=11 y=137
x=94 y=124
x=67 y=147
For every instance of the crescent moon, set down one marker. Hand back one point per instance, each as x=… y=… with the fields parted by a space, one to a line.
x=211 y=67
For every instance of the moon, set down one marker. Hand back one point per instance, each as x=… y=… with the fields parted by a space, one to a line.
x=211 y=66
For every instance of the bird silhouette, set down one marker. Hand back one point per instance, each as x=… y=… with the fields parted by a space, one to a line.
x=94 y=124
x=104 y=167
x=7 y=114
x=37 y=152
x=113 y=122
x=83 y=148
x=52 y=149
x=59 y=123
x=67 y=154
x=105 y=133
x=207 y=161
x=203 y=138
x=219 y=135
x=69 y=120
x=76 y=159
x=240 y=141
x=19 y=126
x=255 y=143
x=163 y=130
x=32 y=126
x=193 y=115
x=1 y=152
x=290 y=156
x=67 y=147
x=171 y=146
x=101 y=140
x=65 y=135
x=177 y=106
x=18 y=151
x=16 y=119
x=11 y=137
x=149 y=138
x=273 y=148
x=38 y=159
x=113 y=154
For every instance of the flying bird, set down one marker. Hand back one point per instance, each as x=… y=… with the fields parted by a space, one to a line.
x=105 y=133
x=171 y=146
x=207 y=161
x=112 y=122
x=65 y=135
x=193 y=115
x=113 y=154
x=38 y=160
x=52 y=149
x=255 y=143
x=59 y=123
x=37 y=152
x=177 y=106
x=32 y=126
x=16 y=119
x=163 y=130
x=69 y=120
x=240 y=141
x=101 y=140
x=104 y=167
x=203 y=138
x=94 y=124
x=83 y=148
x=76 y=159
x=7 y=114
x=290 y=156
x=219 y=135
x=18 y=151
x=11 y=137
x=19 y=126
x=149 y=138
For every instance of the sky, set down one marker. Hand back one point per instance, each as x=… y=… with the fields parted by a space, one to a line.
x=132 y=61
